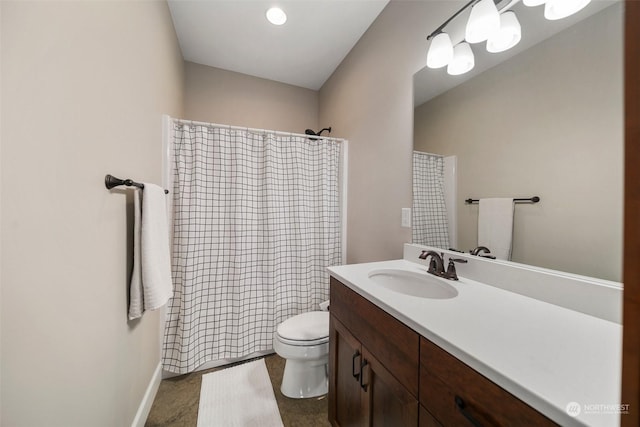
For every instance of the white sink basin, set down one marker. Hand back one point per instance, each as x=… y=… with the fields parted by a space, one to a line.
x=422 y=285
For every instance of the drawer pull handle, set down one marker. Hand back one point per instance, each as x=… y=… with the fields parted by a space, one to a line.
x=462 y=408
x=355 y=374
x=362 y=384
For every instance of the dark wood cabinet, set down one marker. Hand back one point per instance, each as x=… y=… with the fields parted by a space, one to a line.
x=456 y=395
x=362 y=391
x=382 y=373
x=426 y=419
x=388 y=402
x=366 y=364
x=345 y=364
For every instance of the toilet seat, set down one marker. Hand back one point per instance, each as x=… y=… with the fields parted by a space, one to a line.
x=306 y=343
x=306 y=329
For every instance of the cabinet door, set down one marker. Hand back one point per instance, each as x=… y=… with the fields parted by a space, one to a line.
x=395 y=345
x=387 y=402
x=345 y=360
x=426 y=419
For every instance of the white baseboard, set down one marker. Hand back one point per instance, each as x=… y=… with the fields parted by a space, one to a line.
x=147 y=400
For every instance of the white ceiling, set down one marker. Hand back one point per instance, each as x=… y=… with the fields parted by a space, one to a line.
x=235 y=35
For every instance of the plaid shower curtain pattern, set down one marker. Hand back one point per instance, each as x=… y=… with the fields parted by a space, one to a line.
x=429 y=225
x=256 y=221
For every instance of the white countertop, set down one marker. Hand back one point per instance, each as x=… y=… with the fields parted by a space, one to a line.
x=546 y=355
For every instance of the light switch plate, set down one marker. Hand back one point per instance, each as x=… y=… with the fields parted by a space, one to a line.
x=406 y=217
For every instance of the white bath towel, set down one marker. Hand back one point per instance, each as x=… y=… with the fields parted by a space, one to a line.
x=151 y=278
x=495 y=226
x=135 y=287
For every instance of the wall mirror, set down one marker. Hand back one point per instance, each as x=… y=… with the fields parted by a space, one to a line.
x=547 y=121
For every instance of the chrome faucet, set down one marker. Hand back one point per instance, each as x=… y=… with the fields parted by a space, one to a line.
x=436 y=265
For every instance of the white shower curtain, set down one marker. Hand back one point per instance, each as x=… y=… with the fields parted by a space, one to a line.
x=256 y=222
x=429 y=225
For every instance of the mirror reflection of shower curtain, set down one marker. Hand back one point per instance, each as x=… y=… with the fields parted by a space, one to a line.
x=429 y=222
x=256 y=221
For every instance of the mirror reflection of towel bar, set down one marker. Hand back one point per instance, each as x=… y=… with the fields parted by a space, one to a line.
x=111 y=181
x=534 y=199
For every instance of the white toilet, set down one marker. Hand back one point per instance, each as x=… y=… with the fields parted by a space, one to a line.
x=303 y=341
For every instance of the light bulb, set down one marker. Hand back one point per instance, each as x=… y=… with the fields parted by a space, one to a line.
x=440 y=51
x=508 y=36
x=463 y=60
x=483 y=21
x=558 y=9
x=276 y=16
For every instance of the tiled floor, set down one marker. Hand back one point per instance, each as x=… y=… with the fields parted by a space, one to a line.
x=176 y=403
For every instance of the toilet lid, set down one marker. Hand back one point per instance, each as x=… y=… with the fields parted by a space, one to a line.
x=306 y=326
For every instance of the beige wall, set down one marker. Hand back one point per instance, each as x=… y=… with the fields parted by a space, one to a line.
x=369 y=101
x=548 y=122
x=84 y=86
x=218 y=96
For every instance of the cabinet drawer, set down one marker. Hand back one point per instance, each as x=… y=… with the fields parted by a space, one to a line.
x=456 y=394
x=395 y=345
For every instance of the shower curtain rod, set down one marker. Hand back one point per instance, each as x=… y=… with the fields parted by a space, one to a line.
x=275 y=132
x=429 y=154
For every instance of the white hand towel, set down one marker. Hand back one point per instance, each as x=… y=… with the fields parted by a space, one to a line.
x=154 y=256
x=135 y=288
x=495 y=226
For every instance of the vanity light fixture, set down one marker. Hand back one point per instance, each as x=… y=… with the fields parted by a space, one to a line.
x=463 y=60
x=500 y=28
x=441 y=51
x=507 y=36
x=484 y=20
x=558 y=9
x=276 y=16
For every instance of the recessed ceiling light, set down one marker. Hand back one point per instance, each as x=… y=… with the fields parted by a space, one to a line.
x=276 y=16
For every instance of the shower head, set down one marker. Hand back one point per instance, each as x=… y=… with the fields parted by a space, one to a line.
x=310 y=132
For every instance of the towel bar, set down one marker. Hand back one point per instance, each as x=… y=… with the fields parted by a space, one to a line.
x=111 y=181
x=534 y=199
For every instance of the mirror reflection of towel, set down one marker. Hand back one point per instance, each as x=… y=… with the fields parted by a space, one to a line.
x=495 y=226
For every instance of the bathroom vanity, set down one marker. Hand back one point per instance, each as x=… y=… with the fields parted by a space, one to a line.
x=486 y=356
